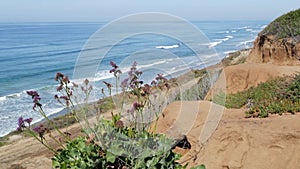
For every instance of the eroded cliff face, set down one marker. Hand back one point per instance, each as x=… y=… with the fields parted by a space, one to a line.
x=267 y=49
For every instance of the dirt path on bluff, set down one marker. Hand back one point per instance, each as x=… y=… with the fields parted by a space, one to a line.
x=237 y=142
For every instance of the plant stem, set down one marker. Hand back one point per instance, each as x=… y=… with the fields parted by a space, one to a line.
x=41 y=111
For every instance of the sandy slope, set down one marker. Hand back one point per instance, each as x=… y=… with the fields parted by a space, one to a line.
x=238 y=142
x=243 y=76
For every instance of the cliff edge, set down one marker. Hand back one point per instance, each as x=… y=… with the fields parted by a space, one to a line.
x=279 y=42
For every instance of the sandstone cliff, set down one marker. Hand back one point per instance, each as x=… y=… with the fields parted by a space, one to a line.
x=279 y=42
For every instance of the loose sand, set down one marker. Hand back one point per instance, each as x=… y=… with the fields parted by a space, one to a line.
x=238 y=142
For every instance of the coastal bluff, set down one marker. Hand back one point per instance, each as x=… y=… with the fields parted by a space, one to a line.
x=279 y=42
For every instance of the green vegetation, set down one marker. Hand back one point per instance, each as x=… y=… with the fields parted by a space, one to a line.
x=3 y=140
x=285 y=26
x=126 y=140
x=275 y=96
x=118 y=148
x=201 y=88
x=199 y=167
x=235 y=58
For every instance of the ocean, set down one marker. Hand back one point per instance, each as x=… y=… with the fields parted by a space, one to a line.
x=32 y=53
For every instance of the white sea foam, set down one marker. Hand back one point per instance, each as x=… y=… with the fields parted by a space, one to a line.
x=224 y=39
x=53 y=111
x=223 y=32
x=233 y=31
x=244 y=27
x=213 y=44
x=219 y=41
x=101 y=75
x=2 y=98
x=14 y=95
x=249 y=30
x=255 y=31
x=167 y=47
x=263 y=27
x=230 y=51
x=246 y=43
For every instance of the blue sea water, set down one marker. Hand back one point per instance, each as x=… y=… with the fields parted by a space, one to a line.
x=32 y=53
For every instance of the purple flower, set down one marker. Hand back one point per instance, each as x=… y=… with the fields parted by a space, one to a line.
x=36 y=98
x=40 y=129
x=86 y=81
x=133 y=67
x=115 y=69
x=130 y=73
x=160 y=77
x=153 y=83
x=64 y=97
x=124 y=82
x=119 y=124
x=113 y=64
x=20 y=124
x=28 y=120
x=112 y=70
x=138 y=73
x=20 y=121
x=59 y=88
x=146 y=89
x=36 y=105
x=65 y=79
x=108 y=85
x=137 y=106
x=58 y=76
x=32 y=93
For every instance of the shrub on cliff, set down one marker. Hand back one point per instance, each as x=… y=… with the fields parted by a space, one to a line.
x=286 y=26
x=276 y=96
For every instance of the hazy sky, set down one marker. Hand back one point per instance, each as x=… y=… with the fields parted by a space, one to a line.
x=106 y=10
